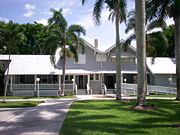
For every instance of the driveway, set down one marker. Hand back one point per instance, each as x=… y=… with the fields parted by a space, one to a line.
x=45 y=119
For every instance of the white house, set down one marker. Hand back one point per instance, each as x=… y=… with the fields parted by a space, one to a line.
x=93 y=73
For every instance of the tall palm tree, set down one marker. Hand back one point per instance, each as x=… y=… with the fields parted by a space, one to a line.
x=171 y=8
x=141 y=52
x=64 y=37
x=117 y=10
x=151 y=43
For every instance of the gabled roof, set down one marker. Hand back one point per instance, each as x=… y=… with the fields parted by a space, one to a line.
x=113 y=46
x=162 y=65
x=91 y=46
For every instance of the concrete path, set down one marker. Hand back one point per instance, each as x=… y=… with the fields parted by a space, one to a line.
x=45 y=119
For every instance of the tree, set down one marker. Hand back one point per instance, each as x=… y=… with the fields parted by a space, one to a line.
x=40 y=39
x=171 y=8
x=141 y=52
x=117 y=9
x=64 y=37
x=169 y=33
x=155 y=40
x=10 y=38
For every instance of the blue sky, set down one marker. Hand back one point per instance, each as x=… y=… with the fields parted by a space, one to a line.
x=28 y=11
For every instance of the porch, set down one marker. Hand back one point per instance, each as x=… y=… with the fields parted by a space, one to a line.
x=50 y=85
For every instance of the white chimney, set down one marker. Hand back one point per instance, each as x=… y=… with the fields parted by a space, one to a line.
x=96 y=43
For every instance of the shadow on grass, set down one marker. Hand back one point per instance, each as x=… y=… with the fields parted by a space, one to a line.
x=112 y=117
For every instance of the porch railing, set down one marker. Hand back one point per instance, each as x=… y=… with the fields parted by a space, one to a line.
x=126 y=87
x=41 y=87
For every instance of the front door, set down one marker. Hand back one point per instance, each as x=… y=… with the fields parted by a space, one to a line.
x=80 y=82
x=110 y=80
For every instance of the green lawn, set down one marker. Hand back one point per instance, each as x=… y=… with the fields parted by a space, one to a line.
x=115 y=118
x=18 y=104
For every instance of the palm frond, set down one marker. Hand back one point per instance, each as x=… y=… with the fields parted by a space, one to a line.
x=73 y=50
x=130 y=25
x=123 y=10
x=130 y=39
x=58 y=19
x=76 y=29
x=98 y=7
x=157 y=23
x=83 y=1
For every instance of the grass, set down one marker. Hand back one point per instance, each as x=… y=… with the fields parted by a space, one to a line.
x=18 y=104
x=115 y=118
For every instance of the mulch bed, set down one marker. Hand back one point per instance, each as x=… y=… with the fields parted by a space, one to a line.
x=144 y=107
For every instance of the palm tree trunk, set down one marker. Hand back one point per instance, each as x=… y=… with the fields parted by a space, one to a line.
x=141 y=52
x=177 y=52
x=63 y=71
x=7 y=81
x=118 y=55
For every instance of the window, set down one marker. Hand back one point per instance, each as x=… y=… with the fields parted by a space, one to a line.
x=101 y=57
x=82 y=59
x=91 y=77
x=113 y=60
x=97 y=77
x=68 y=78
x=29 y=79
x=22 y=79
x=44 y=79
x=124 y=60
x=127 y=60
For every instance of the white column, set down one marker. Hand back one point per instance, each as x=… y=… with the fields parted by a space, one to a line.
x=88 y=80
x=11 y=83
x=88 y=83
x=74 y=77
x=74 y=82
x=59 y=78
x=35 y=76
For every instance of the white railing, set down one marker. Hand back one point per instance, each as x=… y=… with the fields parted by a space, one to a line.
x=48 y=86
x=151 y=89
x=161 y=89
x=23 y=86
x=41 y=86
x=69 y=86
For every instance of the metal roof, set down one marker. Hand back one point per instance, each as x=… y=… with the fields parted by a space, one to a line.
x=162 y=65
x=41 y=65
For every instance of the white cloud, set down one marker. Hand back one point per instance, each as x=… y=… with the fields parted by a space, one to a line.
x=169 y=21
x=28 y=13
x=29 y=10
x=86 y=21
x=30 y=7
x=42 y=21
x=67 y=11
x=4 y=19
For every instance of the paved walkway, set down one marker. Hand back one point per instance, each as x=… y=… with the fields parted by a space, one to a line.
x=45 y=119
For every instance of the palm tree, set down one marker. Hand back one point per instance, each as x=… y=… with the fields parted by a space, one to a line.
x=64 y=37
x=117 y=10
x=152 y=44
x=141 y=52
x=171 y=8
